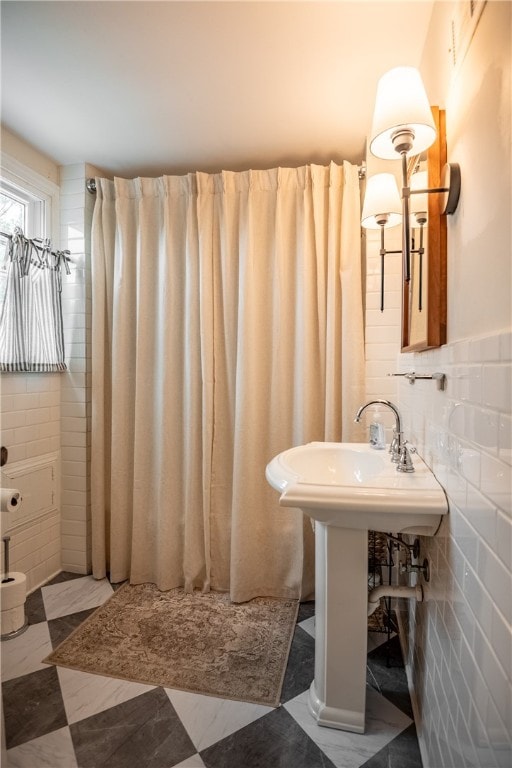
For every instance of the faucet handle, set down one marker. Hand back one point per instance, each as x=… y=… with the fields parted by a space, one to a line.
x=405 y=462
x=395 y=446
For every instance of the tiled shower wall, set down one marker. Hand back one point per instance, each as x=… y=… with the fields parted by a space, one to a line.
x=76 y=217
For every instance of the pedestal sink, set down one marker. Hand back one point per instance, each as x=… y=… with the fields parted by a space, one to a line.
x=349 y=489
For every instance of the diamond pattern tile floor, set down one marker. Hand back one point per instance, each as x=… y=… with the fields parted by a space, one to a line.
x=61 y=718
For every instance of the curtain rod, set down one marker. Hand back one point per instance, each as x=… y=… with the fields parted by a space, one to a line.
x=57 y=254
x=91 y=183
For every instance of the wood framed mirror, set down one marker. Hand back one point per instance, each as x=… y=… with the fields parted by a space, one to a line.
x=424 y=296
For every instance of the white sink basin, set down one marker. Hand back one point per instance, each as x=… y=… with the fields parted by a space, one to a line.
x=351 y=485
x=349 y=489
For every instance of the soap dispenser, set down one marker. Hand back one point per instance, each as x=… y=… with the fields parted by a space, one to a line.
x=377 y=432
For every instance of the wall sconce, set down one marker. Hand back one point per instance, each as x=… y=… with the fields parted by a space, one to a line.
x=403 y=126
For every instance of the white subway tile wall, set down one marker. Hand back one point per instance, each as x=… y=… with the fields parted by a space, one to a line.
x=460 y=651
x=47 y=412
x=30 y=427
x=459 y=642
x=382 y=329
x=76 y=217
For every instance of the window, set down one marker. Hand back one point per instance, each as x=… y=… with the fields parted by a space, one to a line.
x=17 y=209
x=31 y=334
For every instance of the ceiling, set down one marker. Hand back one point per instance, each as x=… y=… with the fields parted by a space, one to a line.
x=145 y=88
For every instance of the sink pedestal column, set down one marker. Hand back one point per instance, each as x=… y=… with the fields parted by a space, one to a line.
x=338 y=693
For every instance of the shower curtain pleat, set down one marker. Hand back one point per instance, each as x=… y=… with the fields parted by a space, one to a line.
x=227 y=326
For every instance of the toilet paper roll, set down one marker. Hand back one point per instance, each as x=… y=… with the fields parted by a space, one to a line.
x=10 y=499
x=13 y=593
x=12 y=620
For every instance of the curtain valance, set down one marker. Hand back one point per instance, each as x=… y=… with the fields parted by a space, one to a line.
x=31 y=329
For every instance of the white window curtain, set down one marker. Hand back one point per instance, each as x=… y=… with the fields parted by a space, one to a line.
x=227 y=326
x=31 y=330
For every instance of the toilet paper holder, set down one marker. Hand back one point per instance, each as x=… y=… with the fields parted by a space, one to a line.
x=5 y=576
x=7 y=579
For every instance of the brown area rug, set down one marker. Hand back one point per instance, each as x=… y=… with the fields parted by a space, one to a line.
x=195 y=642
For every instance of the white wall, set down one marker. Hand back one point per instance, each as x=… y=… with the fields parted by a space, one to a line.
x=382 y=328
x=479 y=138
x=30 y=417
x=459 y=642
x=44 y=413
x=15 y=147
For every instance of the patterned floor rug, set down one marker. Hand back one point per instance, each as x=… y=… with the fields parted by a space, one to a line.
x=194 y=642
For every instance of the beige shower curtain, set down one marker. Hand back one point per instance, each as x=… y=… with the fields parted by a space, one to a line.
x=227 y=326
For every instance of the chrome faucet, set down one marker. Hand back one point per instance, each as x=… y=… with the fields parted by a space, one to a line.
x=398 y=450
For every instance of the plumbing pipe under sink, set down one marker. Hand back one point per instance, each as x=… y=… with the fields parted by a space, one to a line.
x=392 y=591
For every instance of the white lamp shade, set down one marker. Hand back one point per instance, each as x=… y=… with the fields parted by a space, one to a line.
x=401 y=102
x=418 y=203
x=381 y=197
